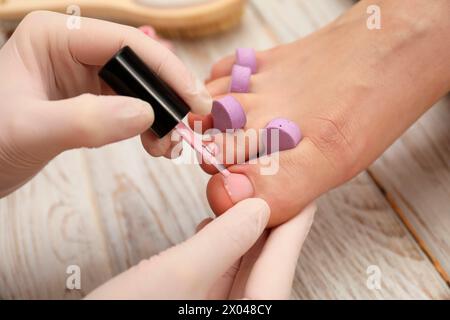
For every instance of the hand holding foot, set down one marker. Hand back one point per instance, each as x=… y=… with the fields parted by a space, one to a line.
x=231 y=257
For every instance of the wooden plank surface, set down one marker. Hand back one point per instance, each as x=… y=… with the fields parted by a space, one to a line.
x=354 y=230
x=48 y=225
x=106 y=209
x=415 y=174
x=145 y=204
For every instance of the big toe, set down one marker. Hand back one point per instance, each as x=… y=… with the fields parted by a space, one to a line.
x=288 y=181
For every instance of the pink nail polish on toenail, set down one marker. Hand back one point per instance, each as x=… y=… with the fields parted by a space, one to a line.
x=151 y=32
x=288 y=132
x=228 y=113
x=240 y=79
x=238 y=187
x=246 y=57
x=148 y=31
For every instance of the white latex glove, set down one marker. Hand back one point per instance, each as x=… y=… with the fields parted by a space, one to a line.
x=51 y=98
x=231 y=257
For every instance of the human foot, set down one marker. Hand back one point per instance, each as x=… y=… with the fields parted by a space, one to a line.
x=351 y=90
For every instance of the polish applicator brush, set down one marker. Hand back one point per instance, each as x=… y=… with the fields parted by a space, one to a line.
x=129 y=76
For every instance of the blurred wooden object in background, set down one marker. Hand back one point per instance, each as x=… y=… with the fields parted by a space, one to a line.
x=2 y=37
x=179 y=19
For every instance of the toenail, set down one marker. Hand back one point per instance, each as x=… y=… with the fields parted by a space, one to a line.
x=148 y=30
x=240 y=79
x=281 y=134
x=228 y=113
x=246 y=57
x=238 y=187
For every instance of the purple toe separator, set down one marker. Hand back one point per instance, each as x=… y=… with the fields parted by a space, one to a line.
x=240 y=79
x=289 y=135
x=228 y=113
x=246 y=57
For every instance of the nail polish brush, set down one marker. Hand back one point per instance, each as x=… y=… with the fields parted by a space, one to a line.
x=128 y=75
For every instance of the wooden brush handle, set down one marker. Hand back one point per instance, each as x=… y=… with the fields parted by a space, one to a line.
x=17 y=9
x=117 y=9
x=201 y=19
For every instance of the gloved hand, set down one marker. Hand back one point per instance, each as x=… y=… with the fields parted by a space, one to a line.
x=51 y=98
x=231 y=257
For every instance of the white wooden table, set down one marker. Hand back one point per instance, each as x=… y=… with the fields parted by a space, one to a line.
x=106 y=209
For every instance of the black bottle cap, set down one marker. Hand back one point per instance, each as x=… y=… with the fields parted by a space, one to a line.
x=129 y=76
